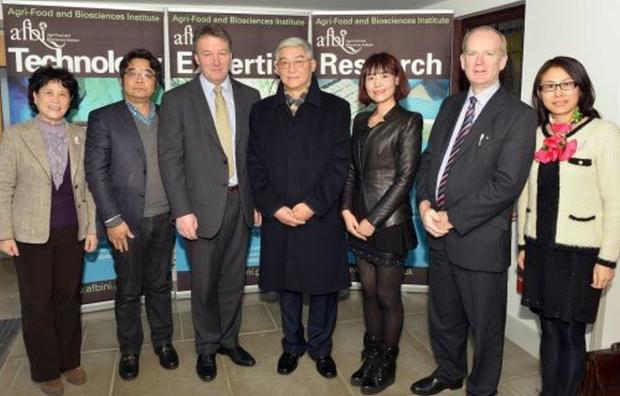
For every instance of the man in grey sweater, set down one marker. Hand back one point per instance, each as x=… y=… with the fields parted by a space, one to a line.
x=122 y=171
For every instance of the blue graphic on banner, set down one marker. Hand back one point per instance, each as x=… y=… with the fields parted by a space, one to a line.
x=99 y=265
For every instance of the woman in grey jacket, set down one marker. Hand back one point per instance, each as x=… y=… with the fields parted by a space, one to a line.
x=569 y=218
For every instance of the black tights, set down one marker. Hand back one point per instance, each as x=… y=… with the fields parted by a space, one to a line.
x=562 y=356
x=383 y=307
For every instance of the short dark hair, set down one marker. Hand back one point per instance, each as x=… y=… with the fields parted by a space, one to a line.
x=142 y=53
x=386 y=63
x=45 y=74
x=578 y=73
x=214 y=30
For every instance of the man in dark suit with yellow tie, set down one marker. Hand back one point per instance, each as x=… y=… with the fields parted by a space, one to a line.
x=203 y=139
x=475 y=166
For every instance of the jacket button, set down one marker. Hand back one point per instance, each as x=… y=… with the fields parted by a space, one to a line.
x=144 y=171
x=225 y=161
x=76 y=186
x=141 y=195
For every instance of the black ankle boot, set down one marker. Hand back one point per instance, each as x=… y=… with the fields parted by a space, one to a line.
x=383 y=370
x=369 y=353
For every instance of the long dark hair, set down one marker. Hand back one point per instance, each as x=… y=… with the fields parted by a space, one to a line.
x=578 y=73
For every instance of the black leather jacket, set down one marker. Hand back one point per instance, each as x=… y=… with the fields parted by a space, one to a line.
x=381 y=173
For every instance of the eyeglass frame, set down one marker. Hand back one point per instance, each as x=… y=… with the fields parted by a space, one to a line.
x=552 y=87
x=296 y=62
x=144 y=74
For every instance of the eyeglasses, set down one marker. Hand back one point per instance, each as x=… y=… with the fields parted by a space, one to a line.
x=144 y=74
x=551 y=87
x=295 y=63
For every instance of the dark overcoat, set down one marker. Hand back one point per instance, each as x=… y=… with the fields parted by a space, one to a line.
x=293 y=159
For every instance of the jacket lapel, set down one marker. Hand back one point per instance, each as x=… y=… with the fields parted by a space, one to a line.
x=31 y=135
x=484 y=119
x=204 y=113
x=127 y=124
x=76 y=140
x=446 y=134
x=240 y=105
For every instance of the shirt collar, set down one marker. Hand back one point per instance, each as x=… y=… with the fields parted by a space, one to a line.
x=137 y=114
x=208 y=86
x=483 y=96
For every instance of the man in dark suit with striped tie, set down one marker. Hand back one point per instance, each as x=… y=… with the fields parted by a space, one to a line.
x=474 y=167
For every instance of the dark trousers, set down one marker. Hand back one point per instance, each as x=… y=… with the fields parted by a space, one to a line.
x=145 y=269
x=321 y=323
x=218 y=277
x=460 y=301
x=562 y=356
x=49 y=277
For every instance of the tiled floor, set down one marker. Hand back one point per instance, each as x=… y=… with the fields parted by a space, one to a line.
x=260 y=334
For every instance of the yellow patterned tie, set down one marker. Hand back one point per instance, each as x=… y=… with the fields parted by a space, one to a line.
x=222 y=125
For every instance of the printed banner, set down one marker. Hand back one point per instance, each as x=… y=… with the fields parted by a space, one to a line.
x=422 y=41
x=254 y=38
x=90 y=42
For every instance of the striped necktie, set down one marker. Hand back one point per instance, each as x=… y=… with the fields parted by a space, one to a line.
x=468 y=122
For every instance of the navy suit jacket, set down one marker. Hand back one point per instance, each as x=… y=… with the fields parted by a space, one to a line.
x=484 y=182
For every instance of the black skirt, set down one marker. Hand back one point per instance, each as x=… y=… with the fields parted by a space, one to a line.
x=387 y=246
x=557 y=283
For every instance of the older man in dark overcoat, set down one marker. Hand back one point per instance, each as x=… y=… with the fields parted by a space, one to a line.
x=298 y=155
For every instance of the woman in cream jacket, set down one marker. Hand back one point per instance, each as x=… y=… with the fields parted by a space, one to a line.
x=569 y=219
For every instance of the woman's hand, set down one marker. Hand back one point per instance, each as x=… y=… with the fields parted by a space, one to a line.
x=90 y=244
x=521 y=259
x=601 y=276
x=365 y=228
x=9 y=246
x=351 y=223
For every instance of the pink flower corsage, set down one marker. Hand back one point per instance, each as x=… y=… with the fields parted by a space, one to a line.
x=557 y=147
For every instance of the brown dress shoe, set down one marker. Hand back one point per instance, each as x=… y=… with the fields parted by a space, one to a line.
x=52 y=388
x=76 y=376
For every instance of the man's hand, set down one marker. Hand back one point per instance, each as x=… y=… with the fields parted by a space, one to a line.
x=90 y=244
x=187 y=225
x=351 y=223
x=303 y=211
x=443 y=222
x=9 y=246
x=601 y=276
x=366 y=228
x=434 y=223
x=258 y=218
x=118 y=237
x=286 y=216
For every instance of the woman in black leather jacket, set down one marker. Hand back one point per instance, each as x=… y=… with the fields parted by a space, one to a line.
x=377 y=211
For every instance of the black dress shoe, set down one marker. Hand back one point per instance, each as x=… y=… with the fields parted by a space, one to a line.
x=287 y=363
x=168 y=357
x=205 y=367
x=238 y=355
x=129 y=366
x=431 y=385
x=326 y=366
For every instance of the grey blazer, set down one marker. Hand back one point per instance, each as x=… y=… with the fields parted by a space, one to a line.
x=191 y=159
x=25 y=184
